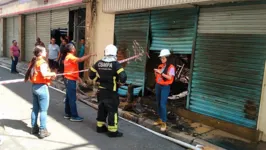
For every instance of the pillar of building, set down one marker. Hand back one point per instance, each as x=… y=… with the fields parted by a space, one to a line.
x=3 y=35
x=88 y=38
x=21 y=38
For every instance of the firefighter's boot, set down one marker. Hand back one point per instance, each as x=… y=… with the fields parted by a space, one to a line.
x=102 y=129
x=115 y=134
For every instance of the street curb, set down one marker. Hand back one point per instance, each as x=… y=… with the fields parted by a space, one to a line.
x=146 y=122
x=149 y=124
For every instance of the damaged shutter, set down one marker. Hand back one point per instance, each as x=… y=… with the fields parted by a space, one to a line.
x=43 y=27
x=9 y=35
x=60 y=19
x=30 y=35
x=173 y=30
x=229 y=63
x=130 y=27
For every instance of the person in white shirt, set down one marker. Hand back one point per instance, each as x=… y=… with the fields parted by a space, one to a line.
x=54 y=50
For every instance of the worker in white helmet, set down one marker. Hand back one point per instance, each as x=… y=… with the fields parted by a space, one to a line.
x=108 y=72
x=164 y=78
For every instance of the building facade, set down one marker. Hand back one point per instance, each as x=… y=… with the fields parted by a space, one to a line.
x=226 y=44
x=225 y=40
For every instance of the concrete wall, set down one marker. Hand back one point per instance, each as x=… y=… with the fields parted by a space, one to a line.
x=103 y=31
x=262 y=114
x=120 y=6
x=16 y=8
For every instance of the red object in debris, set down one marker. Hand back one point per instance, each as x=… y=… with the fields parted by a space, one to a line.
x=45 y=1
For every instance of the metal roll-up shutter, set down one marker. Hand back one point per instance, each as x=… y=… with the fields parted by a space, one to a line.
x=1 y=37
x=16 y=29
x=229 y=63
x=173 y=29
x=43 y=27
x=30 y=35
x=60 y=19
x=130 y=27
x=9 y=34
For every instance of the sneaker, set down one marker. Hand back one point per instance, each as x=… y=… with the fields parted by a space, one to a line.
x=115 y=134
x=102 y=129
x=76 y=119
x=163 y=127
x=158 y=122
x=35 y=130
x=66 y=116
x=44 y=133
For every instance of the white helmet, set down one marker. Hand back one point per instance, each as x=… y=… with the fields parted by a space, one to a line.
x=164 y=52
x=110 y=50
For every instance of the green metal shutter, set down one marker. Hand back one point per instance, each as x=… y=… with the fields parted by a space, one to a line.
x=173 y=30
x=30 y=35
x=229 y=63
x=43 y=27
x=59 y=19
x=130 y=27
x=9 y=34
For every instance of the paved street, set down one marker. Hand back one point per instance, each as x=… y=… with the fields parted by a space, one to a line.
x=15 y=110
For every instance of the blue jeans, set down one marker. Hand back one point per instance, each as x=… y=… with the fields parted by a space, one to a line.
x=14 y=65
x=40 y=103
x=162 y=93
x=70 y=103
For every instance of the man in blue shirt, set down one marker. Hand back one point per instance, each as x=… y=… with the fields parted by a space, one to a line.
x=81 y=54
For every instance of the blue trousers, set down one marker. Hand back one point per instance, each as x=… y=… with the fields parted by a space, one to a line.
x=40 y=103
x=162 y=93
x=70 y=103
x=14 y=64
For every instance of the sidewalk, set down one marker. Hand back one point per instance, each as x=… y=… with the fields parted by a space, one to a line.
x=203 y=135
x=15 y=125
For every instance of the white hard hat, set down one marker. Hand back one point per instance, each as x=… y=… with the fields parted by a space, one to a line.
x=110 y=50
x=164 y=52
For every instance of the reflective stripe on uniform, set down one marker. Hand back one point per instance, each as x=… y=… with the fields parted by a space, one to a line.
x=101 y=87
x=94 y=70
x=97 y=75
x=95 y=79
x=115 y=127
x=114 y=80
x=100 y=123
x=120 y=70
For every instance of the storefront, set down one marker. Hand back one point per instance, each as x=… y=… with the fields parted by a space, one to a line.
x=11 y=32
x=30 y=35
x=172 y=29
x=41 y=24
x=229 y=63
x=130 y=28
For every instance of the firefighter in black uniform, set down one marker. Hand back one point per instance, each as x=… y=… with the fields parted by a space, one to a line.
x=109 y=73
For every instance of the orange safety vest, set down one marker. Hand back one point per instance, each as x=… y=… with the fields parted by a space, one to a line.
x=159 y=78
x=37 y=76
x=70 y=65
